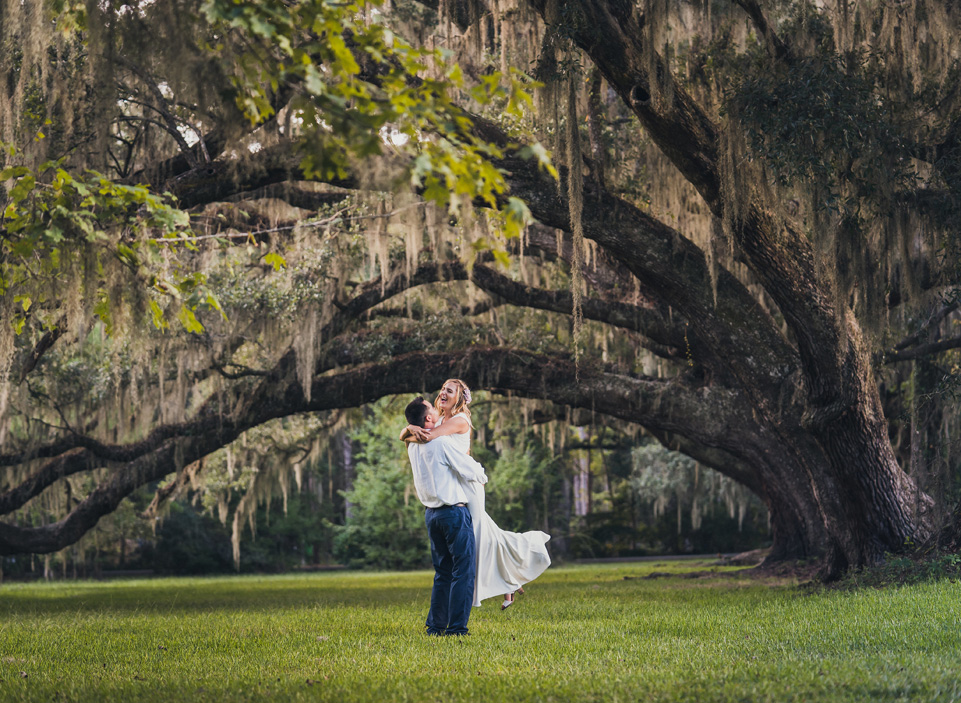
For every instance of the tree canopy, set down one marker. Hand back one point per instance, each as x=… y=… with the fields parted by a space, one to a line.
x=733 y=225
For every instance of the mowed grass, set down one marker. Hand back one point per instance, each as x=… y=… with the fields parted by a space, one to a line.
x=581 y=633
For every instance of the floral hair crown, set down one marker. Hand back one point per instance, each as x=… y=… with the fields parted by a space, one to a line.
x=467 y=397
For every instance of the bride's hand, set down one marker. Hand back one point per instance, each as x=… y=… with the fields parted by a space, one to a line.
x=419 y=433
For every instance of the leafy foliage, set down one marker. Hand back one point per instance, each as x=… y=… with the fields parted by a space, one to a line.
x=385 y=523
x=360 y=86
x=116 y=239
x=521 y=482
x=819 y=118
x=359 y=91
x=190 y=542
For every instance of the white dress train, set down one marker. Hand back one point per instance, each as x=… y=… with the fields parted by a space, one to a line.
x=505 y=560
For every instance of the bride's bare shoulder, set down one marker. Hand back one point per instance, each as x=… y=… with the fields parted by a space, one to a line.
x=466 y=418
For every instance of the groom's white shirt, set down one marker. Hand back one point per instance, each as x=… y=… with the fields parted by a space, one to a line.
x=439 y=467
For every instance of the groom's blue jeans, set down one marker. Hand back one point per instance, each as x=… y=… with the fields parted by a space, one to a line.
x=451 y=533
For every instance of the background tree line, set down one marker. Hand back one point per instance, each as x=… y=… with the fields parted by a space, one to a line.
x=596 y=492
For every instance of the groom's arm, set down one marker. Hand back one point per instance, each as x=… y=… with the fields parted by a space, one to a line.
x=461 y=464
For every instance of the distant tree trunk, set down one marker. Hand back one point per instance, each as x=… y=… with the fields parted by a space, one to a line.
x=347 y=454
x=560 y=542
x=582 y=477
x=927 y=443
x=96 y=556
x=582 y=486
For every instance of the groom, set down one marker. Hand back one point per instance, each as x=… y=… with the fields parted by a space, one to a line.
x=439 y=468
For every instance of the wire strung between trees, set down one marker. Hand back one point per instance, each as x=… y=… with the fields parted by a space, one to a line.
x=335 y=219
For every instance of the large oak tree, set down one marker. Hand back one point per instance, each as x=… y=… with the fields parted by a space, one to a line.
x=750 y=204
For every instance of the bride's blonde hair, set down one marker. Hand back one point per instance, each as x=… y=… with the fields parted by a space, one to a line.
x=463 y=397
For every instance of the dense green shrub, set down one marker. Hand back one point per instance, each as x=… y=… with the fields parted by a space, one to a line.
x=384 y=527
x=189 y=542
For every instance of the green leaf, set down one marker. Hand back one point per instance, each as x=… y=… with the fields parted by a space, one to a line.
x=215 y=304
x=313 y=82
x=23 y=188
x=13 y=172
x=102 y=310
x=516 y=217
x=53 y=234
x=189 y=320
x=537 y=151
x=127 y=255
x=159 y=320
x=276 y=260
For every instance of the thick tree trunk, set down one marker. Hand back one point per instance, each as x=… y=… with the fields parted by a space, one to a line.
x=864 y=500
x=878 y=500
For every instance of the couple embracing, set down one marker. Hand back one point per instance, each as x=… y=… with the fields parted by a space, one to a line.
x=473 y=558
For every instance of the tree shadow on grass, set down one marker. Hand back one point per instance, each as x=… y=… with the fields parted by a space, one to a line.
x=211 y=594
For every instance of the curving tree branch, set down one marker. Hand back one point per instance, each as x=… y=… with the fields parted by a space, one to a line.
x=776 y=45
x=922 y=350
x=669 y=405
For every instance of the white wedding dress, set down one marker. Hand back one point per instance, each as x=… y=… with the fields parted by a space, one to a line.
x=505 y=560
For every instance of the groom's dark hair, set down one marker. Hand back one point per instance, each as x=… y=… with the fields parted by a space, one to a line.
x=416 y=411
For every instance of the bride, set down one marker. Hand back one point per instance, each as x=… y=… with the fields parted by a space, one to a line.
x=505 y=560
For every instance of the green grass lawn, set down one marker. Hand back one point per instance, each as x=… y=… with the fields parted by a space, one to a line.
x=581 y=633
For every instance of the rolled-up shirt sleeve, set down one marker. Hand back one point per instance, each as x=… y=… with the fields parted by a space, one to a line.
x=463 y=465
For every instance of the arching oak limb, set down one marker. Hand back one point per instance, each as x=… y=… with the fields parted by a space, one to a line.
x=666 y=403
x=76 y=453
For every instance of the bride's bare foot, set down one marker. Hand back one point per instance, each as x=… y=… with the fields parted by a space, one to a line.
x=520 y=589
x=508 y=601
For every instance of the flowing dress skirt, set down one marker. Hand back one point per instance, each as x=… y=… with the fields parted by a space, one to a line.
x=505 y=560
